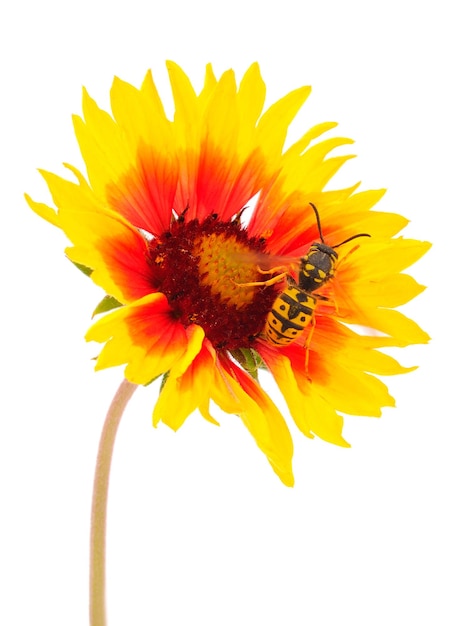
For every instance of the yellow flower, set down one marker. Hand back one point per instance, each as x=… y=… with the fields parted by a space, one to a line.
x=158 y=220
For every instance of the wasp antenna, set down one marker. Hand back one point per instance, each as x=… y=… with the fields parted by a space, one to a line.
x=350 y=239
x=317 y=215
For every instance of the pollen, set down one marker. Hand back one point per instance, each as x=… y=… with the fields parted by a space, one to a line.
x=203 y=268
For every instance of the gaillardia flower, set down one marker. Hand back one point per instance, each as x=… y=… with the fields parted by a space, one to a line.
x=206 y=297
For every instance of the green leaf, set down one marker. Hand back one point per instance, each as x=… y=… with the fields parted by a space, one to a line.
x=107 y=304
x=83 y=268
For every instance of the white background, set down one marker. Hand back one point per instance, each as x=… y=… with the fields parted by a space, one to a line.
x=201 y=531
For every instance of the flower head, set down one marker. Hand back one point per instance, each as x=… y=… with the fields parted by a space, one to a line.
x=207 y=298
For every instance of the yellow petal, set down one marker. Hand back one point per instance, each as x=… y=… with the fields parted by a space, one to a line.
x=188 y=388
x=312 y=413
x=144 y=336
x=240 y=394
x=43 y=210
x=273 y=125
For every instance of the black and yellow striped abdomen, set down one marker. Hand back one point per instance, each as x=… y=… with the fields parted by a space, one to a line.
x=290 y=315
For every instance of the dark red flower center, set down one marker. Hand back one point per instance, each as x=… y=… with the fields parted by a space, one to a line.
x=203 y=268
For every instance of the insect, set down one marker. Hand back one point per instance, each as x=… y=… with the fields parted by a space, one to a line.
x=294 y=308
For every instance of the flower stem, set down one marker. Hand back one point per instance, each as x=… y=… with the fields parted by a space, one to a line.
x=99 y=503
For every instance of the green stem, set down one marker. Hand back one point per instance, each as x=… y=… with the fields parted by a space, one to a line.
x=99 y=503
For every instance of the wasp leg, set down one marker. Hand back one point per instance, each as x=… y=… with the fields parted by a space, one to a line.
x=264 y=283
x=307 y=344
x=328 y=301
x=273 y=269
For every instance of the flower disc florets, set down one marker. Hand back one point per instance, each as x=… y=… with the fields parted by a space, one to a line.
x=203 y=268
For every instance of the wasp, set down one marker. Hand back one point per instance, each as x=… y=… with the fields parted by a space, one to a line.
x=294 y=308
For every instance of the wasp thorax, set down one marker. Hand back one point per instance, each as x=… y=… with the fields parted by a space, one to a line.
x=317 y=266
x=201 y=267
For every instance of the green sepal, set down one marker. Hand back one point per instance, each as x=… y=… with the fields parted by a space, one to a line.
x=163 y=380
x=83 y=268
x=107 y=304
x=250 y=360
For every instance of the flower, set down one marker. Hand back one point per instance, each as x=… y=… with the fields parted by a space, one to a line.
x=159 y=223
